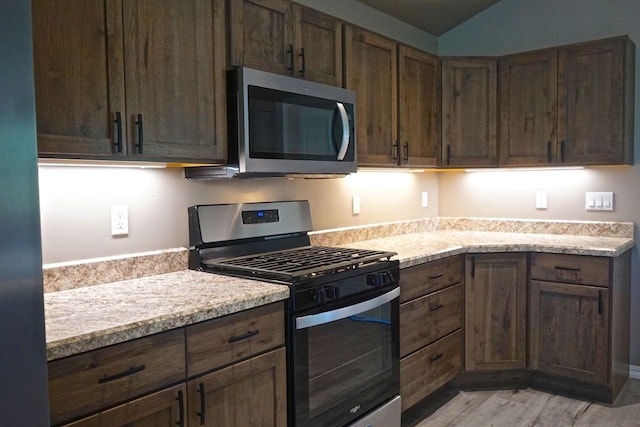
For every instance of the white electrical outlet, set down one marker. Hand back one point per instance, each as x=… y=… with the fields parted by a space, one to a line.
x=541 y=200
x=119 y=220
x=425 y=199
x=355 y=204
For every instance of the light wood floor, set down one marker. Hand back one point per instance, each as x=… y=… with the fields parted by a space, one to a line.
x=511 y=408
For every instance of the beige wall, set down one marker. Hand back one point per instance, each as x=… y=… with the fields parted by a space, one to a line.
x=75 y=204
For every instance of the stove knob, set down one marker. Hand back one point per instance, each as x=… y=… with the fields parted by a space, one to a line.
x=332 y=293
x=318 y=296
x=380 y=279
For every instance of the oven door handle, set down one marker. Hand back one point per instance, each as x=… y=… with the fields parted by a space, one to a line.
x=304 y=322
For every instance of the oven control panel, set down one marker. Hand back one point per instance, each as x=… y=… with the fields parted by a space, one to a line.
x=260 y=217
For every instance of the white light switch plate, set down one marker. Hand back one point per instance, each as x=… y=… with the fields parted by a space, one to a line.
x=355 y=204
x=425 y=199
x=541 y=200
x=598 y=201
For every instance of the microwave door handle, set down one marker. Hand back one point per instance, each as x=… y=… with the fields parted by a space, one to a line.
x=345 y=131
x=304 y=322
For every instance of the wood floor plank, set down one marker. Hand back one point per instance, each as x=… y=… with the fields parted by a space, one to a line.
x=532 y=408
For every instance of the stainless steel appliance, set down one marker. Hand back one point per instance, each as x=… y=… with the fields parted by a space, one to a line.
x=23 y=361
x=280 y=125
x=342 y=316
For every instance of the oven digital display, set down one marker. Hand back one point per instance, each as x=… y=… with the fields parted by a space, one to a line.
x=260 y=217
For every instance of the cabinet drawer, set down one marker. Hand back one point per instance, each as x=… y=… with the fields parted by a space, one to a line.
x=580 y=269
x=424 y=320
x=423 y=279
x=222 y=341
x=99 y=378
x=430 y=368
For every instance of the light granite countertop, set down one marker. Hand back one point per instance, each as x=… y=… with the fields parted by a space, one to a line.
x=419 y=248
x=91 y=317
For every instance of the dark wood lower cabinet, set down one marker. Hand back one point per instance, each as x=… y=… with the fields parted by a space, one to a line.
x=164 y=408
x=568 y=330
x=248 y=393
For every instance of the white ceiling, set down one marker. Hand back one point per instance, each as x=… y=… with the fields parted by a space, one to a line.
x=434 y=16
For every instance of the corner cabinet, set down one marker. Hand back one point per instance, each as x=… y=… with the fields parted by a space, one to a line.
x=579 y=319
x=431 y=297
x=469 y=121
x=285 y=38
x=130 y=79
x=572 y=105
x=495 y=311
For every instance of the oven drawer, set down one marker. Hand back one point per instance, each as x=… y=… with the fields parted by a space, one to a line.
x=579 y=269
x=430 y=368
x=422 y=279
x=219 y=342
x=90 y=381
x=424 y=320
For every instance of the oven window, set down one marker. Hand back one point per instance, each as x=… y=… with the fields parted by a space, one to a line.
x=346 y=367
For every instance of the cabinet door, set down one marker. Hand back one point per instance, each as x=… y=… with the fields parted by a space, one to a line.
x=568 y=330
x=249 y=393
x=318 y=46
x=78 y=77
x=469 y=112
x=174 y=77
x=164 y=408
x=593 y=118
x=371 y=71
x=419 y=113
x=528 y=109
x=495 y=311
x=261 y=35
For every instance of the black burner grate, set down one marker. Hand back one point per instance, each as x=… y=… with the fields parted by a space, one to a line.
x=298 y=264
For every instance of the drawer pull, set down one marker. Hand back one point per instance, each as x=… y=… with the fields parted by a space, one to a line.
x=202 y=403
x=559 y=267
x=436 y=357
x=128 y=372
x=436 y=276
x=435 y=307
x=244 y=336
x=180 y=399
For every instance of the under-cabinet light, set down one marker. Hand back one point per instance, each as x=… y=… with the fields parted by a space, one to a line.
x=100 y=163
x=541 y=169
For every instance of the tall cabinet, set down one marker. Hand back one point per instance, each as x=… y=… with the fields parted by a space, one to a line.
x=136 y=79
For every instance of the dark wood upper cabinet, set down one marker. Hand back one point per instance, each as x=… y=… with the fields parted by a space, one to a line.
x=134 y=79
x=528 y=108
x=495 y=311
x=281 y=37
x=419 y=107
x=371 y=71
x=469 y=91
x=79 y=78
x=595 y=102
x=572 y=105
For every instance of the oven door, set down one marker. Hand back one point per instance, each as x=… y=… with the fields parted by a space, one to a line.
x=346 y=360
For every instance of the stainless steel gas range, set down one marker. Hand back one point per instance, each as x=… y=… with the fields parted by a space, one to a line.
x=342 y=315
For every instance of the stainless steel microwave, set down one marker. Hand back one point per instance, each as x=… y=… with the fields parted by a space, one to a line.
x=281 y=126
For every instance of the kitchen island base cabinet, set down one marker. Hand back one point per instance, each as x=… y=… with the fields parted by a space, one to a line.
x=249 y=393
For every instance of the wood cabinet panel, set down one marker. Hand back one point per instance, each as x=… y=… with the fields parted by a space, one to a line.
x=528 y=108
x=371 y=71
x=90 y=381
x=170 y=56
x=578 y=269
x=261 y=35
x=469 y=112
x=79 y=78
x=425 y=278
x=222 y=341
x=249 y=393
x=568 y=329
x=318 y=46
x=428 y=369
x=164 y=408
x=419 y=107
x=593 y=123
x=495 y=311
x=425 y=319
